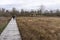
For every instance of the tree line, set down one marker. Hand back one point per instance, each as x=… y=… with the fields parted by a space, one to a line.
x=32 y=13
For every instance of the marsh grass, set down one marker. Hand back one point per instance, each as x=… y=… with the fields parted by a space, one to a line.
x=39 y=28
x=3 y=23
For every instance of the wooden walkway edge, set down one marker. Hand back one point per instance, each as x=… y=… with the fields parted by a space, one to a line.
x=11 y=31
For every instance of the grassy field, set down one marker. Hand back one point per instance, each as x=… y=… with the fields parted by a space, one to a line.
x=3 y=23
x=39 y=28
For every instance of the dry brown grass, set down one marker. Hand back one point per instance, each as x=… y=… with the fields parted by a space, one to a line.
x=3 y=23
x=39 y=28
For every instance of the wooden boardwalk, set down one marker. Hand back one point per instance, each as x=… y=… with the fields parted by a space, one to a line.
x=11 y=31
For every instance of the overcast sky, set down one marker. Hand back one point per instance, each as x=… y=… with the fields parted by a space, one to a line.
x=29 y=4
